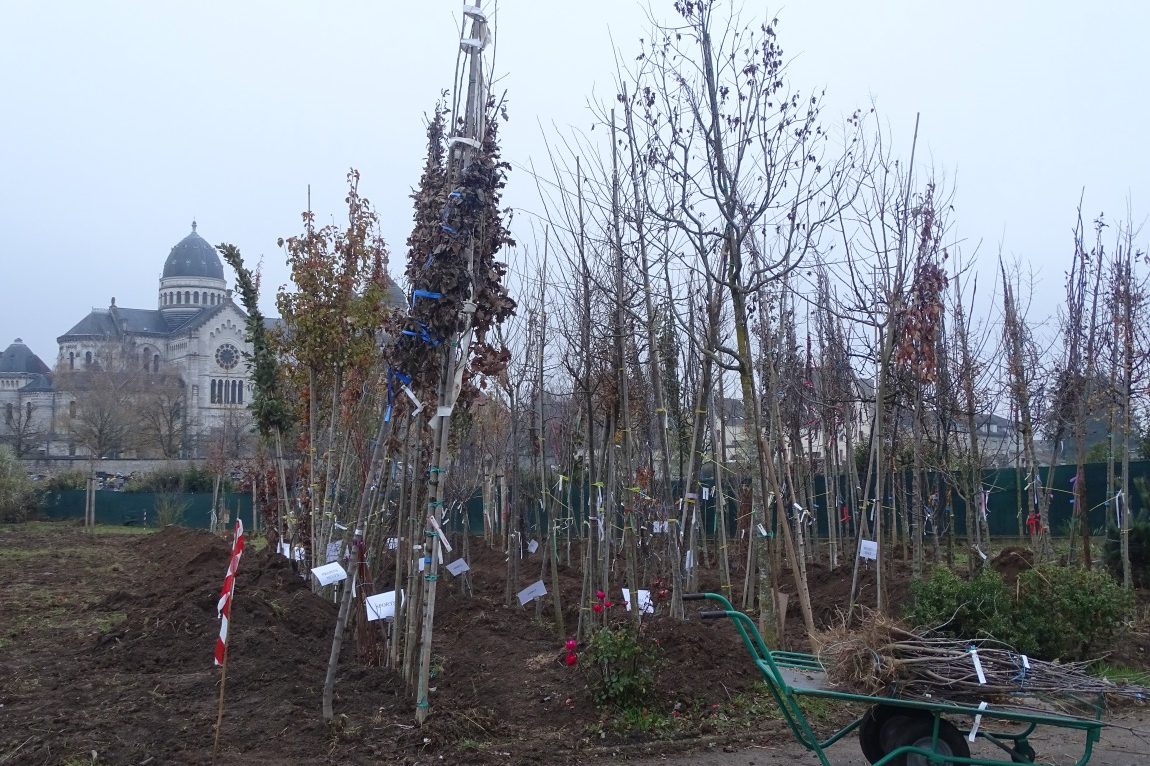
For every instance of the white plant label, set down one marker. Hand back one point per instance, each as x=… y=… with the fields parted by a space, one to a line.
x=333 y=551
x=285 y=550
x=381 y=606
x=443 y=412
x=868 y=549
x=531 y=592
x=658 y=527
x=977 y=665
x=439 y=532
x=329 y=573
x=689 y=560
x=532 y=546
x=392 y=543
x=977 y=721
x=646 y=606
x=762 y=531
x=458 y=567
x=706 y=493
x=422 y=562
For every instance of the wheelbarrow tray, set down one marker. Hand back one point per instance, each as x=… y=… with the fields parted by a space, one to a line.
x=791 y=676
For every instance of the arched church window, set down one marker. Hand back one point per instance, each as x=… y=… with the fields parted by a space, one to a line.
x=187 y=296
x=155 y=363
x=213 y=399
x=196 y=297
x=177 y=298
x=71 y=360
x=87 y=358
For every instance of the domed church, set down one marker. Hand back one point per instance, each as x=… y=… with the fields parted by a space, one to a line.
x=194 y=335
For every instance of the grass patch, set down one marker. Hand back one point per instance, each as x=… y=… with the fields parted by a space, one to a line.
x=72 y=526
x=1121 y=674
x=758 y=705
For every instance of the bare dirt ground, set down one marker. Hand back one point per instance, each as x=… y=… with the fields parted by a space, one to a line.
x=106 y=641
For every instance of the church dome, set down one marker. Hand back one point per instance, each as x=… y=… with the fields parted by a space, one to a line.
x=193 y=257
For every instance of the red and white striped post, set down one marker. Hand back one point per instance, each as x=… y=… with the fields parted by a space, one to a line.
x=224 y=609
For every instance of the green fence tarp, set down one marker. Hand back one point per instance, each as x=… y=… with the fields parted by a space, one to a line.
x=143 y=508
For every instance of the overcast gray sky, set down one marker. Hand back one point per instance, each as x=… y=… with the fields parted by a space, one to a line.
x=121 y=121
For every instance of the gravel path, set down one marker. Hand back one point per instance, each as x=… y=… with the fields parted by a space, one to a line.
x=1125 y=743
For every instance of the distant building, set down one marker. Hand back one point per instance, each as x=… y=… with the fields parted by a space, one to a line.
x=175 y=375
x=27 y=400
x=191 y=345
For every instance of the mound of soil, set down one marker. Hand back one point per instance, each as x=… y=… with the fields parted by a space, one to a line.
x=146 y=687
x=1012 y=561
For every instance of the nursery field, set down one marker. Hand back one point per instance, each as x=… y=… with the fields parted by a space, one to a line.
x=106 y=657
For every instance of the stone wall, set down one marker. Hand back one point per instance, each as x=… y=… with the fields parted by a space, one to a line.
x=55 y=465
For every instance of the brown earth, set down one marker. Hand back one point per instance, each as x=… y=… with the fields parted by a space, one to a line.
x=124 y=666
x=1011 y=562
x=106 y=647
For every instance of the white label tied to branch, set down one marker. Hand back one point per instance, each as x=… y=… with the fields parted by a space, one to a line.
x=531 y=592
x=658 y=527
x=439 y=532
x=532 y=546
x=646 y=606
x=458 y=567
x=977 y=665
x=333 y=551
x=329 y=573
x=978 y=721
x=414 y=400
x=381 y=606
x=868 y=549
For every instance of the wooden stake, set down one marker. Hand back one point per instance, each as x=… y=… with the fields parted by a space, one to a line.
x=223 y=684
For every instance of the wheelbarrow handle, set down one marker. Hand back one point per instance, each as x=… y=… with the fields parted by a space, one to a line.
x=694 y=596
x=712 y=614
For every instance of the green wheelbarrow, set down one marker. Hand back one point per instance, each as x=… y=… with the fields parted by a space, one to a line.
x=893 y=731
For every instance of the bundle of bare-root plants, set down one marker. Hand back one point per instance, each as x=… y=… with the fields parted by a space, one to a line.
x=883 y=657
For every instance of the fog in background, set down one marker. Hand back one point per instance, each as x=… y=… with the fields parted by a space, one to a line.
x=120 y=122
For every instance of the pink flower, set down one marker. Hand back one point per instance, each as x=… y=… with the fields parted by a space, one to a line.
x=600 y=595
x=572 y=658
x=596 y=608
x=571 y=645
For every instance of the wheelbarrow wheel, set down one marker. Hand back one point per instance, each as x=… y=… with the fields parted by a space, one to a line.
x=870 y=728
x=916 y=731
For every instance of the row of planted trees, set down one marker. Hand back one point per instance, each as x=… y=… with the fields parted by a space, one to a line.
x=725 y=293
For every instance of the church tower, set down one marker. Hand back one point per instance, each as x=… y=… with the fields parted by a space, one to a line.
x=193 y=280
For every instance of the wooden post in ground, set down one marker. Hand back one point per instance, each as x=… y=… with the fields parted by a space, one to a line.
x=466 y=141
x=220 y=708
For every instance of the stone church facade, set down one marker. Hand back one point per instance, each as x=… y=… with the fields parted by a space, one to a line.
x=192 y=342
